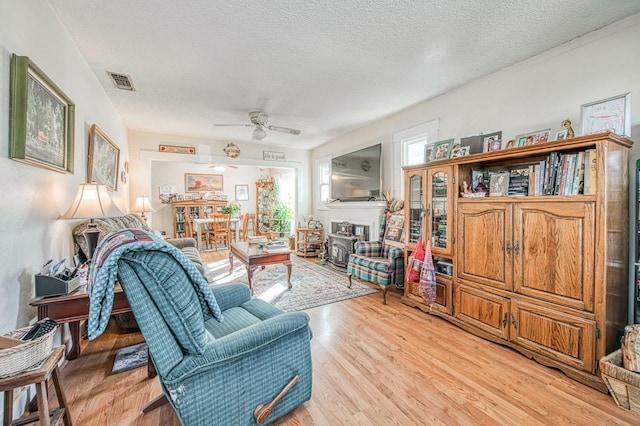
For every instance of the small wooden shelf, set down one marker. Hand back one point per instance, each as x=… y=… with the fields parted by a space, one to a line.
x=309 y=241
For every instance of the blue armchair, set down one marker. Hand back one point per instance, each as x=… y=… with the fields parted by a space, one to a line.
x=221 y=356
x=377 y=262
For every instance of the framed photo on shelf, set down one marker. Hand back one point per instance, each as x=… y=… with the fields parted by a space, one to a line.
x=202 y=182
x=459 y=151
x=104 y=157
x=477 y=180
x=608 y=115
x=533 y=138
x=41 y=121
x=242 y=192
x=473 y=142
x=562 y=135
x=428 y=152
x=499 y=184
x=441 y=149
x=492 y=142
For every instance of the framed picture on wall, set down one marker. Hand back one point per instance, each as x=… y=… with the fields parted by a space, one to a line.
x=104 y=156
x=202 y=182
x=608 y=115
x=41 y=120
x=242 y=192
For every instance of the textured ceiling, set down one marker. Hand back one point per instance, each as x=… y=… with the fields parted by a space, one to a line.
x=324 y=67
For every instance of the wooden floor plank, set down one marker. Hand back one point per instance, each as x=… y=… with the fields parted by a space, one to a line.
x=372 y=365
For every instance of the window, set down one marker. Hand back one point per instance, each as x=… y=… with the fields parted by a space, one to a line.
x=408 y=149
x=323 y=179
x=413 y=150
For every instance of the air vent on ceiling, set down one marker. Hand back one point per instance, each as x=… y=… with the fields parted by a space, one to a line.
x=121 y=81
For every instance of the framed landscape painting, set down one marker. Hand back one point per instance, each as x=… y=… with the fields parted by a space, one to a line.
x=42 y=119
x=104 y=156
x=202 y=182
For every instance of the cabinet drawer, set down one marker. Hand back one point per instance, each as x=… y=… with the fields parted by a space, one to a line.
x=559 y=335
x=482 y=309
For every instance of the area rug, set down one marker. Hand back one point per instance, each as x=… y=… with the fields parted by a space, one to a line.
x=312 y=284
x=130 y=357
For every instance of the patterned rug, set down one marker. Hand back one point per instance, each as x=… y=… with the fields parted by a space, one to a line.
x=130 y=357
x=312 y=284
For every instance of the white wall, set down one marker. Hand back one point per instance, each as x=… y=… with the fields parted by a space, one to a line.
x=32 y=198
x=145 y=157
x=535 y=94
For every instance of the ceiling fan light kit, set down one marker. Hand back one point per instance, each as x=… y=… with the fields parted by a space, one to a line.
x=259 y=121
x=259 y=133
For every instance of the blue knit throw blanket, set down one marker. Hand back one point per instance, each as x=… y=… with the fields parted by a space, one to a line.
x=104 y=268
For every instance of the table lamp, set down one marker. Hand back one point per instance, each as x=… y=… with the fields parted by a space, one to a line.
x=142 y=205
x=92 y=201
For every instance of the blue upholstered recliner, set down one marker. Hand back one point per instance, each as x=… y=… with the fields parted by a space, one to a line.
x=222 y=357
x=377 y=262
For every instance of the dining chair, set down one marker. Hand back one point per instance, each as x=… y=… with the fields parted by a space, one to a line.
x=248 y=226
x=219 y=231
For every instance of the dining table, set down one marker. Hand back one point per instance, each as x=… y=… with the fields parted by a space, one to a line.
x=199 y=222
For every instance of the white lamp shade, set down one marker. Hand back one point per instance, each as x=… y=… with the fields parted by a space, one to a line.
x=92 y=200
x=142 y=205
x=259 y=133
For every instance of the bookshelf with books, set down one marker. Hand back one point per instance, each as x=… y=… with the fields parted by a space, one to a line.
x=540 y=264
x=309 y=241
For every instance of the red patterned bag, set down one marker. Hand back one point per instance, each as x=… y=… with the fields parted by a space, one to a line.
x=414 y=264
x=427 y=286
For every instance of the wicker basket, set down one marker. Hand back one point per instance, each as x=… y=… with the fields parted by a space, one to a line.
x=19 y=358
x=623 y=384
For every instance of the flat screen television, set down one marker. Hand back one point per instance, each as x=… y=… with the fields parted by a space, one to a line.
x=357 y=176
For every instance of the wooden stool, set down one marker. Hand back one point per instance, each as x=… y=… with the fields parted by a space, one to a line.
x=39 y=377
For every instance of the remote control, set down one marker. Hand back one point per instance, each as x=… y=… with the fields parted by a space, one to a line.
x=40 y=328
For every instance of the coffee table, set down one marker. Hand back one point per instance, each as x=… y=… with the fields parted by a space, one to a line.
x=253 y=257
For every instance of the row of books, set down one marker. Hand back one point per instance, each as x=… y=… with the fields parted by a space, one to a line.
x=566 y=174
x=558 y=174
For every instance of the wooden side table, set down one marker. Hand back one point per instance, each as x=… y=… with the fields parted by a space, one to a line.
x=309 y=241
x=39 y=377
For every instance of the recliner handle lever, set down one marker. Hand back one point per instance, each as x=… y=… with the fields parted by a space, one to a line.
x=262 y=412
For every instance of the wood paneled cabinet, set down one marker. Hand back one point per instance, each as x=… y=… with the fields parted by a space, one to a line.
x=309 y=241
x=429 y=209
x=544 y=274
x=184 y=211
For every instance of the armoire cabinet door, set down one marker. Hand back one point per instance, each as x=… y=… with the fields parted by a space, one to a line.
x=440 y=209
x=484 y=246
x=554 y=252
x=415 y=203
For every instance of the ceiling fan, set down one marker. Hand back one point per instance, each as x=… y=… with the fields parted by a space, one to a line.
x=259 y=121
x=222 y=167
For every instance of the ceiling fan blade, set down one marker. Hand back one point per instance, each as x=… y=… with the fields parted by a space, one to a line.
x=242 y=125
x=284 y=130
x=222 y=166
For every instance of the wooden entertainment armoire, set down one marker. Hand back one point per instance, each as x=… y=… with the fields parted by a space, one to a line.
x=546 y=275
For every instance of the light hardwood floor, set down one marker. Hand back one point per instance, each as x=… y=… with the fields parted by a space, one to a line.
x=372 y=365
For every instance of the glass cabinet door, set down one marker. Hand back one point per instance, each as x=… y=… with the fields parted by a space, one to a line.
x=415 y=205
x=439 y=206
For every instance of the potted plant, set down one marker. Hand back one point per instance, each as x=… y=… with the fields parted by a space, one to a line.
x=233 y=209
x=281 y=219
